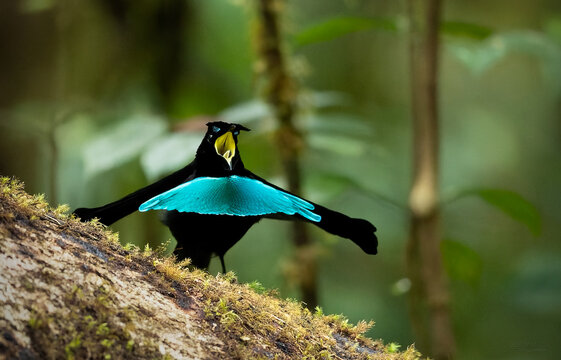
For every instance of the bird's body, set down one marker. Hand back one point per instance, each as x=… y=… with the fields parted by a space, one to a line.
x=199 y=237
x=211 y=203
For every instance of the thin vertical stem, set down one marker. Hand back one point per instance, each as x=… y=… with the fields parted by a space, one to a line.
x=281 y=93
x=430 y=313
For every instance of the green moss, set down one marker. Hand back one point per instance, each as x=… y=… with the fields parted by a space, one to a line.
x=34 y=322
x=220 y=311
x=27 y=284
x=72 y=346
x=392 y=347
x=250 y=320
x=91 y=324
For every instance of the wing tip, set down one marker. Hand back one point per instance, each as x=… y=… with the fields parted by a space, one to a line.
x=148 y=205
x=365 y=236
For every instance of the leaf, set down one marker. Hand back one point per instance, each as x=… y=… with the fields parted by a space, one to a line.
x=478 y=57
x=245 y=112
x=338 y=26
x=513 y=205
x=121 y=143
x=325 y=99
x=482 y=56
x=341 y=145
x=465 y=30
x=461 y=262
x=169 y=153
x=553 y=28
x=324 y=186
x=255 y=112
x=340 y=124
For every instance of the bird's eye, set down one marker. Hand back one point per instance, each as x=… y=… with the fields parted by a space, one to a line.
x=215 y=129
x=236 y=133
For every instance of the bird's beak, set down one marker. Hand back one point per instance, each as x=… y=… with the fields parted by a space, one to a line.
x=226 y=147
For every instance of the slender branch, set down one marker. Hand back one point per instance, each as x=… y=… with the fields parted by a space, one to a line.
x=429 y=300
x=281 y=93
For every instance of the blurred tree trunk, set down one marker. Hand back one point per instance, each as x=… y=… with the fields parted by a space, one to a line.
x=155 y=32
x=429 y=299
x=281 y=93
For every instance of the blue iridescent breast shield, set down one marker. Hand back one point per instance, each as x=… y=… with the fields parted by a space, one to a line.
x=232 y=195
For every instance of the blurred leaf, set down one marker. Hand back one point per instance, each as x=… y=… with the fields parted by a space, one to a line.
x=342 y=145
x=482 y=56
x=31 y=6
x=169 y=153
x=245 y=112
x=325 y=99
x=512 y=204
x=338 y=26
x=465 y=30
x=478 y=57
x=323 y=186
x=258 y=115
x=553 y=28
x=121 y=143
x=340 y=124
x=461 y=262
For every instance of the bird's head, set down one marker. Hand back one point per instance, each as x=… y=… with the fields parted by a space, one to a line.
x=220 y=144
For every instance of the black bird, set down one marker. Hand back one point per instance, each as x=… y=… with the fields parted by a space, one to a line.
x=212 y=202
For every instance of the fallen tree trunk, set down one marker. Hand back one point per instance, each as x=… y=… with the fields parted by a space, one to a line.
x=70 y=290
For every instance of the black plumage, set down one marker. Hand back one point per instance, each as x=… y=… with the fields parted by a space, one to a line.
x=199 y=236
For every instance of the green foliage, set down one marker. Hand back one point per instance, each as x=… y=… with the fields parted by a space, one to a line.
x=460 y=29
x=121 y=143
x=336 y=27
x=553 y=28
x=482 y=56
x=169 y=153
x=221 y=311
x=461 y=262
x=342 y=25
x=257 y=287
x=500 y=85
x=513 y=205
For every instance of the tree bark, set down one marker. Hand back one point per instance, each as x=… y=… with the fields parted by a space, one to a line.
x=429 y=298
x=69 y=290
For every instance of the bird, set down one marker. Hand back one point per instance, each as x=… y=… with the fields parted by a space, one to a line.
x=212 y=202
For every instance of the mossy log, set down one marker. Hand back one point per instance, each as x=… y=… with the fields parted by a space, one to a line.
x=69 y=290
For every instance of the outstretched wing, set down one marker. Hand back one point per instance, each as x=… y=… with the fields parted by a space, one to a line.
x=108 y=214
x=360 y=231
x=232 y=195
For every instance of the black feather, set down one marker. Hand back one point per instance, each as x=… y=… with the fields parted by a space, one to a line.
x=199 y=236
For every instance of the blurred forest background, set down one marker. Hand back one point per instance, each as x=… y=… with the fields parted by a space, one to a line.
x=100 y=97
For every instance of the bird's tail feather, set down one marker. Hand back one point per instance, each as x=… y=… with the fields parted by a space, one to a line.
x=109 y=213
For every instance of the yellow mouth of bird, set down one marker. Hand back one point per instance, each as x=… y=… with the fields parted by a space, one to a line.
x=226 y=147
